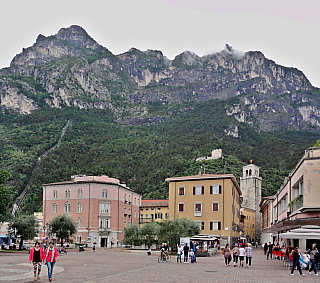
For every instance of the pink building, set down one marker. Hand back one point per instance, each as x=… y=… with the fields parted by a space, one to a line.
x=100 y=206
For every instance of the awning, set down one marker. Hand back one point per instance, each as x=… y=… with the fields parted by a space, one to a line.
x=305 y=232
x=202 y=237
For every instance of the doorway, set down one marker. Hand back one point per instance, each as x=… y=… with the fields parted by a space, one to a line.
x=104 y=242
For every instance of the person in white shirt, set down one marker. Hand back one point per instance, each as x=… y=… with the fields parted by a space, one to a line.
x=241 y=255
x=180 y=249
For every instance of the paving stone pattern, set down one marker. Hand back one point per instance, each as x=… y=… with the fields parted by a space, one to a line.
x=123 y=266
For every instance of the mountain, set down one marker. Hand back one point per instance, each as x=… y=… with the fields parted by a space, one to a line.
x=141 y=117
x=71 y=69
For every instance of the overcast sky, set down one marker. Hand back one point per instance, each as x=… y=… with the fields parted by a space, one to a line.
x=286 y=31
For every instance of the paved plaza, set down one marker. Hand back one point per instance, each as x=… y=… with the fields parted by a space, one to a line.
x=135 y=266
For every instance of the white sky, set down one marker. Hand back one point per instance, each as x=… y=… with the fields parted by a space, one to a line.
x=285 y=31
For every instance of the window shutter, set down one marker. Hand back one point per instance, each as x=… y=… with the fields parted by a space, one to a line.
x=219 y=189
x=210 y=190
x=219 y=225
x=155 y=216
x=194 y=190
x=211 y=226
x=202 y=192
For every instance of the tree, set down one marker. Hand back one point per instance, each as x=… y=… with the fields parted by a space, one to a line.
x=63 y=227
x=171 y=230
x=132 y=235
x=4 y=194
x=25 y=226
x=149 y=233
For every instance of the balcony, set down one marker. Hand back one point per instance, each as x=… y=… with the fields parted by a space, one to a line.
x=296 y=203
x=104 y=230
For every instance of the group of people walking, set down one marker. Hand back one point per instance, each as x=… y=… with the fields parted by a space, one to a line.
x=38 y=256
x=238 y=253
x=308 y=258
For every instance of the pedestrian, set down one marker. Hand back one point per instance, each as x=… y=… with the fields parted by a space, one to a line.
x=270 y=249
x=227 y=255
x=36 y=257
x=248 y=251
x=265 y=248
x=195 y=251
x=313 y=252
x=51 y=257
x=241 y=255
x=185 y=253
x=296 y=261
x=235 y=252
x=180 y=249
x=94 y=248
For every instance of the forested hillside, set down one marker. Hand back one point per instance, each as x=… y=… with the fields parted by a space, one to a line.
x=141 y=156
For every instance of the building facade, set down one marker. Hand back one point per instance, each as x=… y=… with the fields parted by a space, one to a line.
x=250 y=185
x=297 y=202
x=100 y=206
x=153 y=210
x=248 y=223
x=213 y=201
x=266 y=210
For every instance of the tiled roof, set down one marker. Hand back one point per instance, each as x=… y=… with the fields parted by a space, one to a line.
x=154 y=202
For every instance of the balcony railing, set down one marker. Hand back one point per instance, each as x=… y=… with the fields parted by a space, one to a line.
x=104 y=229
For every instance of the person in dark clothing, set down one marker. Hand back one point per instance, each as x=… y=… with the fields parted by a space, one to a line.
x=185 y=253
x=296 y=262
x=270 y=248
x=265 y=248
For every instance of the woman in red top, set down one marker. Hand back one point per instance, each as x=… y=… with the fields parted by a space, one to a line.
x=36 y=257
x=51 y=256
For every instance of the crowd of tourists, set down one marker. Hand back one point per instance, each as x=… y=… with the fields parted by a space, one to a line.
x=238 y=253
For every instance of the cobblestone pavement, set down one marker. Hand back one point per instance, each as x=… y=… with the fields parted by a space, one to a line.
x=136 y=266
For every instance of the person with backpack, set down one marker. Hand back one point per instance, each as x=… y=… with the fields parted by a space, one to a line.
x=36 y=257
x=227 y=255
x=235 y=253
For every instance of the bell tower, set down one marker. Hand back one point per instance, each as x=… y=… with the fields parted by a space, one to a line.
x=250 y=185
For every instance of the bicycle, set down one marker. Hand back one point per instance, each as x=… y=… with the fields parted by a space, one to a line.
x=164 y=258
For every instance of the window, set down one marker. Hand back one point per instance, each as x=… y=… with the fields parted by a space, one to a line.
x=180 y=207
x=167 y=215
x=147 y=216
x=104 y=207
x=151 y=208
x=202 y=225
x=141 y=209
x=141 y=216
x=67 y=193
x=125 y=198
x=135 y=201
x=124 y=224
x=79 y=223
x=129 y=211
x=198 y=209
x=129 y=199
x=215 y=225
x=215 y=189
x=252 y=218
x=215 y=206
x=104 y=223
x=198 y=190
x=159 y=208
x=104 y=193
x=54 y=208
x=55 y=194
x=135 y=213
x=147 y=209
x=158 y=215
x=252 y=225
x=79 y=207
x=67 y=207
x=80 y=193
x=181 y=191
x=249 y=217
x=125 y=211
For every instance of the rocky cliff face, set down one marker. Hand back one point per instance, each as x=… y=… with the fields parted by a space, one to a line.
x=72 y=69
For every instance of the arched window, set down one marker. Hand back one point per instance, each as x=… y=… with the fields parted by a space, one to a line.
x=125 y=198
x=167 y=215
x=55 y=194
x=104 y=223
x=129 y=211
x=54 y=208
x=250 y=172
x=125 y=211
x=79 y=207
x=67 y=207
x=129 y=199
x=135 y=199
x=79 y=223
x=67 y=193
x=80 y=193
x=246 y=172
x=104 y=193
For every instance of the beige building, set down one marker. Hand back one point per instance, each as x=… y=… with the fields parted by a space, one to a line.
x=153 y=210
x=213 y=201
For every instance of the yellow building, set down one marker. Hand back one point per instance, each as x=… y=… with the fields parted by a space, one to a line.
x=153 y=210
x=249 y=222
x=213 y=201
